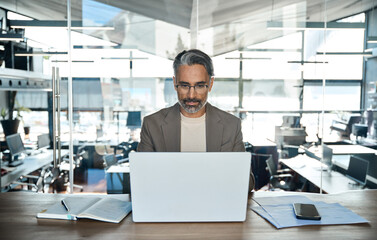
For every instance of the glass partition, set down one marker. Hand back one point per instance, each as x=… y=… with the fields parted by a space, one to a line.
x=297 y=74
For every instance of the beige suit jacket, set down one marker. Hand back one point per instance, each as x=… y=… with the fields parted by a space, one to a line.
x=161 y=132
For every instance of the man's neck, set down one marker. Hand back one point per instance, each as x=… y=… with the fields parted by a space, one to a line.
x=199 y=113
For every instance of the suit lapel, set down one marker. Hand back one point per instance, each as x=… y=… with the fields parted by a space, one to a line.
x=214 y=130
x=171 y=129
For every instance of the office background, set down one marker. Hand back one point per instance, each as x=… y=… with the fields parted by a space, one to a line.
x=272 y=60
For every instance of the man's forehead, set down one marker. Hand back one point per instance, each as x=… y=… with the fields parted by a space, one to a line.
x=195 y=72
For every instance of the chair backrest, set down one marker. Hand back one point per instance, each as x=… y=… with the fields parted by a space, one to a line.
x=110 y=160
x=272 y=168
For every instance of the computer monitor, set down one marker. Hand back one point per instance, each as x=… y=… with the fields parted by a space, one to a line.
x=134 y=119
x=16 y=148
x=327 y=156
x=43 y=141
x=360 y=130
x=358 y=169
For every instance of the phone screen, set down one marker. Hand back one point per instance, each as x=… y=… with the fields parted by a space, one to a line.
x=306 y=211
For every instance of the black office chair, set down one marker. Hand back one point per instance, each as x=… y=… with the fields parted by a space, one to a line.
x=58 y=178
x=279 y=179
x=111 y=159
x=289 y=151
x=125 y=148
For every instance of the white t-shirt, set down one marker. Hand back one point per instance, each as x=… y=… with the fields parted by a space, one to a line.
x=193 y=134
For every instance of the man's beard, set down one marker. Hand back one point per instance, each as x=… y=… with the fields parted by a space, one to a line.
x=192 y=109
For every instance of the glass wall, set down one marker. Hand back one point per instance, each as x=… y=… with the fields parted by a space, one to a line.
x=273 y=61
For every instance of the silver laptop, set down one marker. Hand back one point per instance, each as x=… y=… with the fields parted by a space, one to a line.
x=189 y=187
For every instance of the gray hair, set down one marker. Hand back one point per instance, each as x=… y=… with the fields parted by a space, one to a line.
x=191 y=57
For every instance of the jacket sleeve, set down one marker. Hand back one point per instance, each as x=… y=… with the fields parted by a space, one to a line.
x=146 y=143
x=240 y=147
x=238 y=143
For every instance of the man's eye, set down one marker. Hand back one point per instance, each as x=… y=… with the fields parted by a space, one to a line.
x=185 y=86
x=200 y=86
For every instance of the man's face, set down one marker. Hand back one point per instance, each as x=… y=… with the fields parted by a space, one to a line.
x=192 y=100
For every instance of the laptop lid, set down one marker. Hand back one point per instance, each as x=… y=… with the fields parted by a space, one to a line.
x=189 y=187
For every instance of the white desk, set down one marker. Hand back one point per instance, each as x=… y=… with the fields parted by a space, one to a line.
x=31 y=163
x=351 y=149
x=118 y=178
x=309 y=168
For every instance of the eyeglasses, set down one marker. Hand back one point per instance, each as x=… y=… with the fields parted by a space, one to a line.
x=185 y=88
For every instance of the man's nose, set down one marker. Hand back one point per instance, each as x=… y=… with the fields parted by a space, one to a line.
x=191 y=92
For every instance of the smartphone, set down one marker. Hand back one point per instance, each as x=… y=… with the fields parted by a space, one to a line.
x=306 y=211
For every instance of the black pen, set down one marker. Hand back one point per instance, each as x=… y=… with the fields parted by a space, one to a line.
x=65 y=205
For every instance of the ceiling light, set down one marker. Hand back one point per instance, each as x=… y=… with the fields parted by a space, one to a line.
x=302 y=62
x=54 y=24
x=366 y=53
x=26 y=54
x=74 y=61
x=273 y=25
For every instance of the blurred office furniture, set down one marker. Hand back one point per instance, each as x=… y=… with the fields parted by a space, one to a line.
x=359 y=130
x=77 y=162
x=310 y=170
x=291 y=121
x=35 y=163
x=289 y=151
x=357 y=170
x=289 y=136
x=43 y=141
x=134 y=119
x=279 y=179
x=58 y=177
x=344 y=126
x=260 y=150
x=291 y=132
x=117 y=174
x=16 y=148
x=125 y=148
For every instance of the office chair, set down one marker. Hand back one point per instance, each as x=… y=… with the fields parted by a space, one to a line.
x=279 y=179
x=58 y=177
x=112 y=159
x=289 y=151
x=125 y=148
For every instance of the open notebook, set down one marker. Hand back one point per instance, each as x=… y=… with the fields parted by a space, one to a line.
x=105 y=209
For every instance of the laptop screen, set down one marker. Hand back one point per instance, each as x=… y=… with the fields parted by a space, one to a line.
x=358 y=169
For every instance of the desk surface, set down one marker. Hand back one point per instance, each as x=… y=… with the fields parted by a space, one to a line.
x=18 y=221
x=351 y=149
x=309 y=168
x=31 y=163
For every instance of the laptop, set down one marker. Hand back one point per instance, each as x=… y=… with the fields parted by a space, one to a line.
x=189 y=187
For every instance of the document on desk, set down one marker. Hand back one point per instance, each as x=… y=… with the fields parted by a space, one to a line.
x=105 y=209
x=279 y=212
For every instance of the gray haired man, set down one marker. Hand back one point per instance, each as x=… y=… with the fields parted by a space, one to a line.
x=192 y=124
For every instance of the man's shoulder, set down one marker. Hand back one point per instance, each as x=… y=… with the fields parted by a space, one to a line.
x=161 y=114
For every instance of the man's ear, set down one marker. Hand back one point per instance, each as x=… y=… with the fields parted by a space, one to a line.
x=211 y=83
x=175 y=83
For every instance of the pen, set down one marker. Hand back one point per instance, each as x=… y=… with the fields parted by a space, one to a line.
x=65 y=205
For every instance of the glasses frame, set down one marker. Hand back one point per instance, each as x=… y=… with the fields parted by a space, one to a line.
x=179 y=86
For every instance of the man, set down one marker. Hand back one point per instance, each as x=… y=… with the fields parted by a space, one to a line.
x=192 y=124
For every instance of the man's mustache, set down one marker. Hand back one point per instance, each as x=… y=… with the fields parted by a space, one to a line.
x=191 y=100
